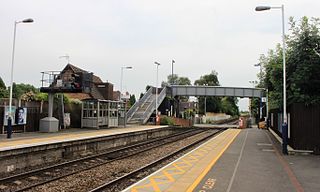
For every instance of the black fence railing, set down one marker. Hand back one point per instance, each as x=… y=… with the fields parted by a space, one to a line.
x=304 y=126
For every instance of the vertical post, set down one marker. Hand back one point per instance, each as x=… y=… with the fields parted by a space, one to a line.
x=125 y=114
x=267 y=104
x=62 y=111
x=205 y=105
x=121 y=83
x=285 y=123
x=157 y=94
x=172 y=99
x=172 y=72
x=157 y=90
x=50 y=102
x=9 y=128
x=284 y=69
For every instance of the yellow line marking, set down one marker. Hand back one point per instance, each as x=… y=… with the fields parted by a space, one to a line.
x=155 y=186
x=168 y=175
x=198 y=180
x=183 y=165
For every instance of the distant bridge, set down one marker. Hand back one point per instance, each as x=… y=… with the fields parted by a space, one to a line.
x=190 y=90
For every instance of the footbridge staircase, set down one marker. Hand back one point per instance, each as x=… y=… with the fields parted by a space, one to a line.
x=142 y=110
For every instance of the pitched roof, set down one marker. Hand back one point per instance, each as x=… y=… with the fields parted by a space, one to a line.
x=95 y=93
x=75 y=69
x=79 y=96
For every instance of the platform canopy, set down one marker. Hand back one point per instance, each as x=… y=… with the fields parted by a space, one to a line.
x=189 y=90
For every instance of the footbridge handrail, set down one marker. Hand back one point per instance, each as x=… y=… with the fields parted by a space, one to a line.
x=138 y=103
x=191 y=90
x=151 y=107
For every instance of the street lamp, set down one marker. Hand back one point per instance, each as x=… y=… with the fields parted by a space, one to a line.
x=172 y=72
x=9 y=128
x=121 y=77
x=285 y=123
x=172 y=83
x=260 y=65
x=156 y=63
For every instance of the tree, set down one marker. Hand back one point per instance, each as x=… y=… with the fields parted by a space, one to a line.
x=20 y=90
x=2 y=84
x=4 y=93
x=213 y=104
x=210 y=79
x=176 y=80
x=302 y=66
x=229 y=106
x=132 y=100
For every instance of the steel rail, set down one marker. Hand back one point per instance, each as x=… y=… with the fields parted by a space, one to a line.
x=108 y=155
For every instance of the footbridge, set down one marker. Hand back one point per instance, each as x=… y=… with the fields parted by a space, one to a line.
x=141 y=111
x=189 y=90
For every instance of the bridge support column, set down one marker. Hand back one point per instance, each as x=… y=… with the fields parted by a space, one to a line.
x=49 y=124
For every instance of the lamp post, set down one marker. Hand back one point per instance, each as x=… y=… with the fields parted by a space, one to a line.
x=156 y=63
x=9 y=128
x=250 y=111
x=172 y=83
x=121 y=77
x=260 y=65
x=285 y=123
x=172 y=72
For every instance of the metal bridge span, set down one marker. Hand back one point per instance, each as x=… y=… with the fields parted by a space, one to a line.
x=189 y=90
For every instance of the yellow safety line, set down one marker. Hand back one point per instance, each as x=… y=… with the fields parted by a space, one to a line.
x=198 y=180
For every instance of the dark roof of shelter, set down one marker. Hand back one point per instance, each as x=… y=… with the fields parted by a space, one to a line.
x=75 y=69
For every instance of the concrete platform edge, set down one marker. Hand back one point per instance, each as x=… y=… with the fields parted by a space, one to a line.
x=291 y=151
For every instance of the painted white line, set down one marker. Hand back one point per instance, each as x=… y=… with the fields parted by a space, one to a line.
x=268 y=150
x=238 y=162
x=264 y=144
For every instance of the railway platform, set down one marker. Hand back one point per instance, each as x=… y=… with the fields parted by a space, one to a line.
x=23 y=140
x=236 y=160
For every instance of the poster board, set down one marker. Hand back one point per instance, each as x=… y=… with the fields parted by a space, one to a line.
x=19 y=115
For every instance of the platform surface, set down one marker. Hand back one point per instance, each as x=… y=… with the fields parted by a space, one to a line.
x=237 y=160
x=22 y=140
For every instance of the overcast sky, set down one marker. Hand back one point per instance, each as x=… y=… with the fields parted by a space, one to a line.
x=101 y=36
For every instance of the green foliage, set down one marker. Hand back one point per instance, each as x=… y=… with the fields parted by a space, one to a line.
x=2 y=84
x=229 y=106
x=176 y=80
x=303 y=69
x=132 y=100
x=41 y=96
x=4 y=93
x=141 y=95
x=164 y=120
x=148 y=87
x=18 y=90
x=302 y=66
x=210 y=79
x=213 y=104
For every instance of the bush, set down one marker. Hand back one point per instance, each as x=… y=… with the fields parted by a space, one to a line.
x=166 y=121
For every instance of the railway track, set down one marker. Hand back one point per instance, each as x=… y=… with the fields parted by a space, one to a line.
x=34 y=178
